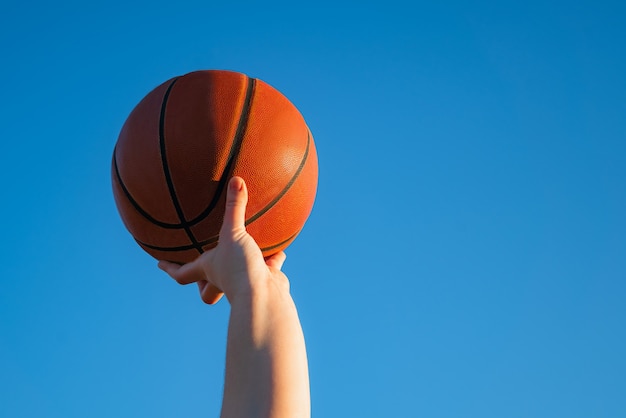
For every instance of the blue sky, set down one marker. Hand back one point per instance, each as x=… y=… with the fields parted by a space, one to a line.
x=466 y=255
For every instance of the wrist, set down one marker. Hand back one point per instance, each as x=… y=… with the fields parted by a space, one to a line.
x=260 y=289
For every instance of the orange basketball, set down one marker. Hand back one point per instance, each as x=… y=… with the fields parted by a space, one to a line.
x=181 y=145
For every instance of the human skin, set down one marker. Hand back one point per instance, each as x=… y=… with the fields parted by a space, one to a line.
x=266 y=363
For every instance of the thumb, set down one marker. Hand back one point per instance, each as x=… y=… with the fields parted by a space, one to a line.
x=235 y=213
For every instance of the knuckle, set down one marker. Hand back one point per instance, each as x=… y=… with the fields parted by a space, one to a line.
x=179 y=280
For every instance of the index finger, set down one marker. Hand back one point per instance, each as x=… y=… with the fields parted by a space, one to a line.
x=185 y=274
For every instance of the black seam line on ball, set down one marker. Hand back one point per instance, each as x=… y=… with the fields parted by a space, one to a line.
x=203 y=243
x=271 y=247
x=286 y=188
x=233 y=153
x=168 y=177
x=211 y=240
x=167 y=249
x=130 y=198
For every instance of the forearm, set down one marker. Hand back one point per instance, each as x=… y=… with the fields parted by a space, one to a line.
x=266 y=364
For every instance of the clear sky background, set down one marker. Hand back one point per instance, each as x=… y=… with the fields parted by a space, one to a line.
x=466 y=255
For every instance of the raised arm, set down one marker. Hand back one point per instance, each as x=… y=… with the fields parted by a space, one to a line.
x=266 y=364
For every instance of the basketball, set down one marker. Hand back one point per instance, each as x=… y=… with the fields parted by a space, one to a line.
x=187 y=138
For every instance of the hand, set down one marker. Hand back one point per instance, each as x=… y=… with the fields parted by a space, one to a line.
x=236 y=264
x=266 y=364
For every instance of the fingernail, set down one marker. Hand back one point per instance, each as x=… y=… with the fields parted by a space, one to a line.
x=236 y=184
